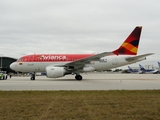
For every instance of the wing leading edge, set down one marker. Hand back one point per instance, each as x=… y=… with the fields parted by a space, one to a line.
x=82 y=62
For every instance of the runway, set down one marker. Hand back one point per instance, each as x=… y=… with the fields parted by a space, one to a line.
x=89 y=82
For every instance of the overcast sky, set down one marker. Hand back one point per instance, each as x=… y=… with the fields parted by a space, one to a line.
x=77 y=26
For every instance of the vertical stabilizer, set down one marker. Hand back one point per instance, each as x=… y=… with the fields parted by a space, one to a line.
x=130 y=69
x=130 y=45
x=142 y=68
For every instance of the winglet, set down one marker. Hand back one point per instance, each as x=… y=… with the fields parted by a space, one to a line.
x=130 y=45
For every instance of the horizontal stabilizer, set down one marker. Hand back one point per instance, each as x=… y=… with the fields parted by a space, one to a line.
x=129 y=59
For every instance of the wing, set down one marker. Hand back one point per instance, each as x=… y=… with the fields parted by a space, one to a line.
x=139 y=57
x=78 y=64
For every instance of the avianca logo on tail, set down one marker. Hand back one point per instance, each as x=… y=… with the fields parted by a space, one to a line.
x=130 y=47
x=52 y=57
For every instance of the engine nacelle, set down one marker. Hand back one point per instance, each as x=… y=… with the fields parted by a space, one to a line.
x=55 y=72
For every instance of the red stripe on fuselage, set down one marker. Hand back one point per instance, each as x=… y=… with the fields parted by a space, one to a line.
x=53 y=57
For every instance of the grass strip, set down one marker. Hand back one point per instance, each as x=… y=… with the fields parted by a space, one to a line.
x=80 y=105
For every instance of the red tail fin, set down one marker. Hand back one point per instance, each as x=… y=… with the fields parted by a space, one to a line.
x=130 y=45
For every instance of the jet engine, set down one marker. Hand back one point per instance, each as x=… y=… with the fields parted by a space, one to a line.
x=55 y=72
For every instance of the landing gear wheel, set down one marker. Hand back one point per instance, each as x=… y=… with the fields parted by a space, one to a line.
x=33 y=76
x=78 y=77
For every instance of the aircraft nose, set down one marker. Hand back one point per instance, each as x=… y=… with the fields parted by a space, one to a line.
x=12 y=66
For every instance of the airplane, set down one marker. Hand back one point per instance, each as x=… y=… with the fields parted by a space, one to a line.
x=147 y=71
x=159 y=67
x=59 y=65
x=134 y=70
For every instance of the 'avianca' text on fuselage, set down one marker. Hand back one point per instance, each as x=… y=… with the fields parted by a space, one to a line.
x=53 y=57
x=59 y=65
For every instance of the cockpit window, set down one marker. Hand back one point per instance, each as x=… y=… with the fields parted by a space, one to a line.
x=19 y=60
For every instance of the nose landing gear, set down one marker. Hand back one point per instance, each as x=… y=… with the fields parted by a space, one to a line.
x=33 y=76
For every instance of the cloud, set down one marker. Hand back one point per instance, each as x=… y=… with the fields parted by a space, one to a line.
x=80 y=26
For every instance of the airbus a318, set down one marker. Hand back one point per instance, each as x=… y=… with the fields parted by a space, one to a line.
x=59 y=65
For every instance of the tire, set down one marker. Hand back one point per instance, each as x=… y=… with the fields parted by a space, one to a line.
x=33 y=77
x=78 y=77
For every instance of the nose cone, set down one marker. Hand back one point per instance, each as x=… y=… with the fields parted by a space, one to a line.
x=12 y=66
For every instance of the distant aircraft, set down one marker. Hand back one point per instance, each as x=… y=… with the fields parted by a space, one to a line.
x=159 y=67
x=59 y=65
x=147 y=71
x=159 y=64
x=134 y=70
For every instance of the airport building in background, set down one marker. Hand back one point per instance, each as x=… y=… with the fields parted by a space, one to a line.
x=5 y=63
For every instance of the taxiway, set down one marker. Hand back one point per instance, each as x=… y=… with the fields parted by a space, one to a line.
x=89 y=82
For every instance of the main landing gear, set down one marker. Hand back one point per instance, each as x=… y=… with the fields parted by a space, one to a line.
x=32 y=76
x=78 y=77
